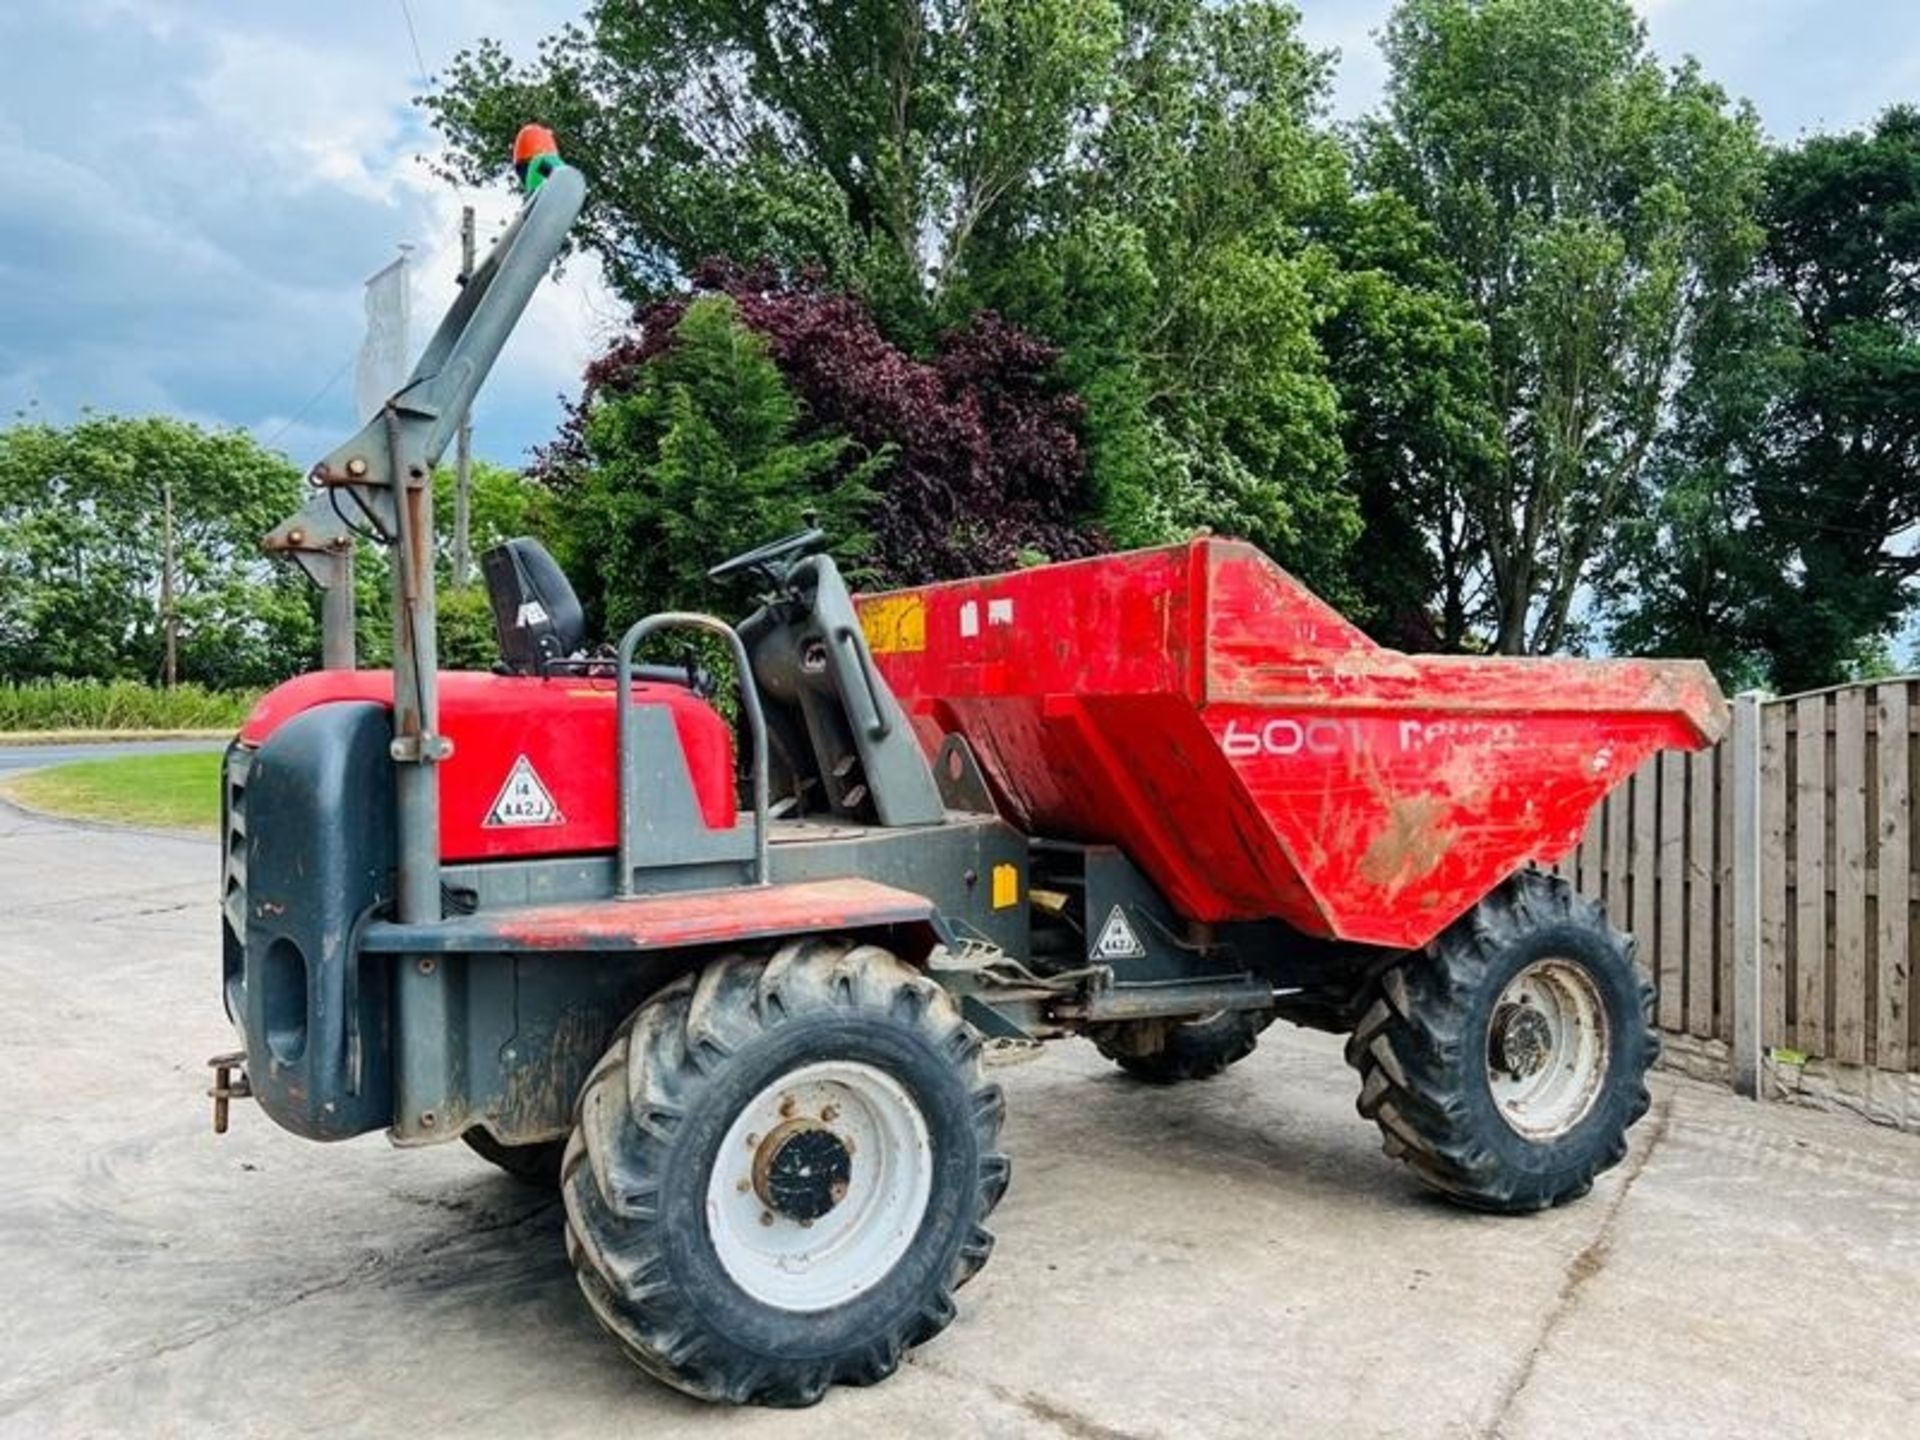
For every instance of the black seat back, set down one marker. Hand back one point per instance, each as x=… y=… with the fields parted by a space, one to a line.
x=535 y=612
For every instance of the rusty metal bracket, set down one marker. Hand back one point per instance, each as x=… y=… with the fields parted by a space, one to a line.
x=421 y=749
x=229 y=1083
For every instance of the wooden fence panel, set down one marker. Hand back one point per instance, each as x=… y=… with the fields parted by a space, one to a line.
x=1640 y=849
x=1837 y=949
x=1810 y=874
x=1849 y=983
x=1671 y=889
x=1619 y=829
x=1894 y=874
x=1589 y=853
x=1773 y=876
x=1702 y=830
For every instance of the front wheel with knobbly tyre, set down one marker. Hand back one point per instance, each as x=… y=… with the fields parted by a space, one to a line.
x=1506 y=1061
x=780 y=1172
x=1163 y=1052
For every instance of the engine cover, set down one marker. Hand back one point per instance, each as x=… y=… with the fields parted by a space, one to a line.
x=533 y=764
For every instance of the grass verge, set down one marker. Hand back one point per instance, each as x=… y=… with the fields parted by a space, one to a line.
x=176 y=792
x=12 y=739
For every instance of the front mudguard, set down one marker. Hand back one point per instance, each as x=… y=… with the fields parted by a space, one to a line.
x=310 y=856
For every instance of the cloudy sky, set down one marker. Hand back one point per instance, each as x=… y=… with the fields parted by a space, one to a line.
x=197 y=188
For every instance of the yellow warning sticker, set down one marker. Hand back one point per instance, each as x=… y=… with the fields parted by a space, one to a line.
x=1006 y=886
x=895 y=624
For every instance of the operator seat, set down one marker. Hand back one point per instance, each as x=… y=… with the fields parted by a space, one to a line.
x=536 y=615
x=542 y=628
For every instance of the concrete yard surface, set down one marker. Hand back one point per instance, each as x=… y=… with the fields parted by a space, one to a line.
x=1229 y=1258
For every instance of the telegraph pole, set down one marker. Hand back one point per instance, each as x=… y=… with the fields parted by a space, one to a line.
x=463 y=443
x=169 y=619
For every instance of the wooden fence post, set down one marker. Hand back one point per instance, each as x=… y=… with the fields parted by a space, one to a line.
x=1744 y=780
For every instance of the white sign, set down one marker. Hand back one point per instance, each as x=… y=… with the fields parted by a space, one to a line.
x=524 y=800
x=1117 y=940
x=387 y=351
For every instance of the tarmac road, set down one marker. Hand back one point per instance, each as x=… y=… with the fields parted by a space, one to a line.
x=32 y=757
x=1233 y=1258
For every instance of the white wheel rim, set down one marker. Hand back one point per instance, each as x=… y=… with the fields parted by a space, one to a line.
x=811 y=1265
x=1547 y=1050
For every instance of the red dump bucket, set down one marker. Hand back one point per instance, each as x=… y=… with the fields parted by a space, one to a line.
x=1256 y=754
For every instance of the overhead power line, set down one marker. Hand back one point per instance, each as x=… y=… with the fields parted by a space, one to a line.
x=317 y=397
x=414 y=36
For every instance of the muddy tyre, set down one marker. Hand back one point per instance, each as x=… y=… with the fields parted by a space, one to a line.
x=1506 y=1062
x=1163 y=1053
x=537 y=1164
x=780 y=1173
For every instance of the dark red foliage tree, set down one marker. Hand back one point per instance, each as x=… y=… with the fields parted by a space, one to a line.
x=987 y=467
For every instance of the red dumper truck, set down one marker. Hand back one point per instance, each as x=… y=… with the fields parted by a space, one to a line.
x=726 y=973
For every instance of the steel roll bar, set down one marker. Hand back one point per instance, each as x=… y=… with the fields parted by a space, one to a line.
x=749 y=700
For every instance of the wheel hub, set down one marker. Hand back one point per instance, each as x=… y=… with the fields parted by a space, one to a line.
x=1548 y=1048
x=1522 y=1039
x=820 y=1185
x=802 y=1170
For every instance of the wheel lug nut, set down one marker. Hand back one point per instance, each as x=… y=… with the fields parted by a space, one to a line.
x=766 y=1217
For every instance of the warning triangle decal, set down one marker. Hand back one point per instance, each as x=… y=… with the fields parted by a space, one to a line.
x=524 y=800
x=1117 y=940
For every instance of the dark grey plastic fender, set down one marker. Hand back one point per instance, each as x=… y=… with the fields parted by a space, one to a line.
x=316 y=1015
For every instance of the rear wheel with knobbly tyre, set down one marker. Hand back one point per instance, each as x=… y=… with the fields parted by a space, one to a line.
x=1506 y=1061
x=1164 y=1052
x=780 y=1172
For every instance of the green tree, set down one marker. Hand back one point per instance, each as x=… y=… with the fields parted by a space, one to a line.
x=1783 y=547
x=874 y=137
x=1124 y=178
x=503 y=503
x=124 y=541
x=1171 y=262
x=1421 y=438
x=1599 y=210
x=697 y=461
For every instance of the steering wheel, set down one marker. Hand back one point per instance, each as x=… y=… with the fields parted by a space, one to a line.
x=764 y=557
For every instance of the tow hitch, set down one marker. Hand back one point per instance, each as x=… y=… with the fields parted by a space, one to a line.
x=229 y=1083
